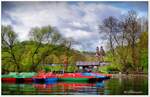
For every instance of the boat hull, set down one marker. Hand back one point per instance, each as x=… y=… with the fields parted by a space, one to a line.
x=10 y=80
x=44 y=80
x=24 y=80
x=74 y=79
x=51 y=79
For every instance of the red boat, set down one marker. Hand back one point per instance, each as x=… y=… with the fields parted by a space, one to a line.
x=10 y=80
x=45 y=77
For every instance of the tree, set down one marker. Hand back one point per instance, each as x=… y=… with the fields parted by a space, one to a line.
x=110 y=27
x=47 y=35
x=143 y=50
x=9 y=39
x=132 y=27
x=39 y=35
x=123 y=35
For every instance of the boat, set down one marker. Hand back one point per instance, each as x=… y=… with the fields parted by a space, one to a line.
x=74 y=77
x=107 y=76
x=97 y=77
x=9 y=80
x=44 y=78
x=51 y=78
x=39 y=78
x=28 y=76
x=24 y=77
x=15 y=77
x=9 y=77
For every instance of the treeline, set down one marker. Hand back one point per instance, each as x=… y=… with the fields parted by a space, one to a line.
x=127 y=39
x=45 y=46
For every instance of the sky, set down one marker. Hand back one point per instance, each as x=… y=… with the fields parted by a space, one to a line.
x=78 y=20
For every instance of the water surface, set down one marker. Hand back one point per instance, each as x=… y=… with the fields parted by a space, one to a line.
x=130 y=85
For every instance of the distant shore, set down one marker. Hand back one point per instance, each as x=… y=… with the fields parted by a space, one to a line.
x=129 y=75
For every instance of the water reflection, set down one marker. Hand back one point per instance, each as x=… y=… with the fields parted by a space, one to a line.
x=113 y=86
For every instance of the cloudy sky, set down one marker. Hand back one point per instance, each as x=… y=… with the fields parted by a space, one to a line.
x=78 y=20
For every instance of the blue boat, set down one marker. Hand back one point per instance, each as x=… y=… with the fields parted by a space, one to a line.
x=51 y=79
x=45 y=80
x=97 y=77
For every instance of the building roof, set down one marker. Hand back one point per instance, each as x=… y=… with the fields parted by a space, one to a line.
x=81 y=63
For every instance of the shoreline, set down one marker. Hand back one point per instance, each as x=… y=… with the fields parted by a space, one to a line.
x=129 y=75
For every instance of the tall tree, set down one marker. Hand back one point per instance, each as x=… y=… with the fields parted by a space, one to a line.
x=47 y=35
x=53 y=39
x=9 y=39
x=110 y=28
x=132 y=30
x=39 y=35
x=123 y=35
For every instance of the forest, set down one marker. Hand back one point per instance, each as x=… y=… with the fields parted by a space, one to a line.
x=127 y=43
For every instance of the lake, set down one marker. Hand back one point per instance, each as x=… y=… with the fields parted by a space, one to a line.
x=129 y=85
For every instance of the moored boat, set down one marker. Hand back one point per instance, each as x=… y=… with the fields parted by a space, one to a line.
x=24 y=77
x=97 y=76
x=51 y=78
x=74 y=77
x=40 y=77
x=43 y=77
x=18 y=77
x=9 y=78
x=107 y=76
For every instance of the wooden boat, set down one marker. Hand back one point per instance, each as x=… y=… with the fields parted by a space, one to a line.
x=8 y=78
x=44 y=78
x=107 y=76
x=18 y=77
x=25 y=77
x=50 y=80
x=97 y=76
x=74 y=77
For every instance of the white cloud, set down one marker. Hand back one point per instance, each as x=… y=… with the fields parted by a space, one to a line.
x=78 y=24
x=78 y=20
x=20 y=30
x=76 y=34
x=78 y=47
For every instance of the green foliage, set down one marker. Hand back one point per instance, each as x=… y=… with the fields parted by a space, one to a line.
x=24 y=53
x=71 y=68
x=143 y=49
x=55 y=52
x=122 y=61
